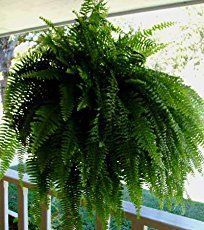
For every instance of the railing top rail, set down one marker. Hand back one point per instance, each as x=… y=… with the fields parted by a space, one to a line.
x=12 y=176
x=149 y=216
x=154 y=216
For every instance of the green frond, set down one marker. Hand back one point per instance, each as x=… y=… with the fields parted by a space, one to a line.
x=46 y=122
x=160 y=26
x=21 y=153
x=143 y=41
x=8 y=145
x=67 y=99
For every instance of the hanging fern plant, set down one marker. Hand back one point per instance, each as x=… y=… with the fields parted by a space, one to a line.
x=92 y=117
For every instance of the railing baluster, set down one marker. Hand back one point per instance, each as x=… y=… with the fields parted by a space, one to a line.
x=4 y=224
x=137 y=225
x=46 y=216
x=22 y=208
x=98 y=223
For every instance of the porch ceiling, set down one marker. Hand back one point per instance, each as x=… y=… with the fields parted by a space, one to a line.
x=23 y=15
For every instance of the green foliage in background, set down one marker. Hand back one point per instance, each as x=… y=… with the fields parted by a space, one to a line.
x=92 y=117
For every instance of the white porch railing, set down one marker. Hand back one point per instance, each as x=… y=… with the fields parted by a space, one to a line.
x=149 y=217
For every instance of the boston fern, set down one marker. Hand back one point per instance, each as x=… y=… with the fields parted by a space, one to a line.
x=92 y=118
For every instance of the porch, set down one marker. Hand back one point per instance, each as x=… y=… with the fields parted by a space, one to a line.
x=150 y=217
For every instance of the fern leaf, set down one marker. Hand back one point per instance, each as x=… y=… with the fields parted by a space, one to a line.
x=46 y=123
x=67 y=99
